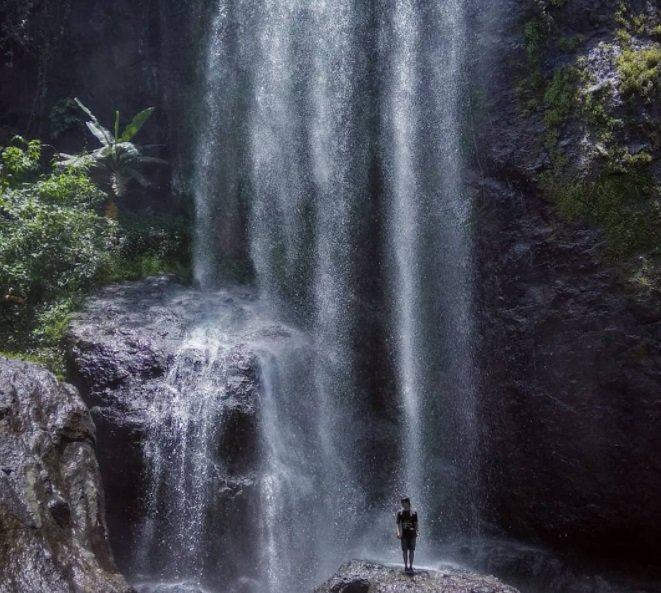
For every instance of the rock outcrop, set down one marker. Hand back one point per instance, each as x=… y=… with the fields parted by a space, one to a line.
x=357 y=576
x=52 y=531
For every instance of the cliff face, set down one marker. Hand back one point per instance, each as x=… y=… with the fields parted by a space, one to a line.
x=125 y=56
x=52 y=526
x=571 y=338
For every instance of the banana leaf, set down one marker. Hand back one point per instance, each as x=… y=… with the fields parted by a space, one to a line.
x=102 y=134
x=86 y=110
x=134 y=127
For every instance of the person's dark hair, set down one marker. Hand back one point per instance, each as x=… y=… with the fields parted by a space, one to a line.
x=406 y=499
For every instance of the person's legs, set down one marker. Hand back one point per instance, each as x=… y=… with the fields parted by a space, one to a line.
x=405 y=553
x=411 y=553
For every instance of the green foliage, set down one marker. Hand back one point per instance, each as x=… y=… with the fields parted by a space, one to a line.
x=119 y=159
x=48 y=248
x=149 y=244
x=534 y=32
x=621 y=14
x=19 y=164
x=36 y=333
x=613 y=189
x=53 y=243
x=52 y=240
x=640 y=70
x=560 y=98
x=624 y=203
x=530 y=88
x=639 y=24
x=570 y=43
x=593 y=107
x=64 y=115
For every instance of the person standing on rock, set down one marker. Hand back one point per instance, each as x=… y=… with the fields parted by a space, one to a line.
x=407 y=531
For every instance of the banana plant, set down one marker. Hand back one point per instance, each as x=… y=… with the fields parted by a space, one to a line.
x=117 y=157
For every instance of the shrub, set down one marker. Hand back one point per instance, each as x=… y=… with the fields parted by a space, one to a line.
x=623 y=203
x=51 y=238
x=560 y=98
x=640 y=70
x=149 y=244
x=53 y=244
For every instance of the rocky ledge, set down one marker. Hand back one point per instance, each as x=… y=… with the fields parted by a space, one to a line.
x=52 y=529
x=133 y=349
x=358 y=576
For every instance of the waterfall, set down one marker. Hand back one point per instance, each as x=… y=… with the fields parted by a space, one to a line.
x=329 y=172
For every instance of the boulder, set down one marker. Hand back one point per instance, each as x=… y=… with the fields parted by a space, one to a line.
x=359 y=576
x=52 y=530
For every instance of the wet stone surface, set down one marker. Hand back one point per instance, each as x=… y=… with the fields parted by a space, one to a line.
x=150 y=358
x=359 y=576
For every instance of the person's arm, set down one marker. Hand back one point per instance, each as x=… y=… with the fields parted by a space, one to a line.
x=397 y=532
x=415 y=524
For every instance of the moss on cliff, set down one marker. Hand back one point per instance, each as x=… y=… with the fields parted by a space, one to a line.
x=599 y=103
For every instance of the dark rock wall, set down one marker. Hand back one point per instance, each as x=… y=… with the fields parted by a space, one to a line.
x=52 y=528
x=571 y=354
x=106 y=54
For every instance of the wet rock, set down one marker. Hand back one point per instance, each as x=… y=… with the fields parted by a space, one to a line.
x=61 y=512
x=52 y=531
x=132 y=348
x=358 y=576
x=169 y=588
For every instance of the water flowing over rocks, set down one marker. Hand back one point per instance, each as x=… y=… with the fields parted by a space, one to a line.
x=176 y=486
x=358 y=576
x=569 y=357
x=52 y=530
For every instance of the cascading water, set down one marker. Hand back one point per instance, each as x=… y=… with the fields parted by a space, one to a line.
x=429 y=246
x=178 y=451
x=329 y=169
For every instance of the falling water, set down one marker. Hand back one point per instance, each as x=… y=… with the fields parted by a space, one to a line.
x=329 y=167
x=428 y=240
x=401 y=121
x=179 y=450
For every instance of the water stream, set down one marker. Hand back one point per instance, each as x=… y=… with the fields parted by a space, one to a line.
x=329 y=171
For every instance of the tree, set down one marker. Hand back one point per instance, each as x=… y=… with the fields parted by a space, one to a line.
x=117 y=157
